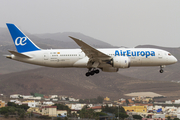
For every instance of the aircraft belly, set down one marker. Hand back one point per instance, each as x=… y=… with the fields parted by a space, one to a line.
x=64 y=63
x=150 y=61
x=143 y=61
x=81 y=62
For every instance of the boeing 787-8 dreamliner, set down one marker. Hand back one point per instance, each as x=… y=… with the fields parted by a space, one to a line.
x=108 y=60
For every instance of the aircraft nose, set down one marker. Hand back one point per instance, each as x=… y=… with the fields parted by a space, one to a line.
x=174 y=60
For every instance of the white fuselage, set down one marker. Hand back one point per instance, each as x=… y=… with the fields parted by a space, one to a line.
x=108 y=60
x=77 y=58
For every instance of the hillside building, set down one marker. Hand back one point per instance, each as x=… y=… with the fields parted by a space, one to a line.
x=96 y=108
x=50 y=111
x=15 y=96
x=30 y=97
x=143 y=99
x=107 y=99
x=32 y=103
x=2 y=103
x=135 y=108
x=73 y=99
x=75 y=106
x=16 y=102
x=48 y=103
x=53 y=96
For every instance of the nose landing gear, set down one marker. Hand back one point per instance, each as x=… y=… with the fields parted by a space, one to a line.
x=161 y=69
x=94 y=71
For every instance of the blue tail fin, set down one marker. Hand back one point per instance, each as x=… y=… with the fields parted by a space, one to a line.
x=21 y=41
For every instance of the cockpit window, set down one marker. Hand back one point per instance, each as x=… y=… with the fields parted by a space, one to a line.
x=169 y=54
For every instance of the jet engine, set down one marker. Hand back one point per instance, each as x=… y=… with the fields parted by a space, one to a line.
x=121 y=62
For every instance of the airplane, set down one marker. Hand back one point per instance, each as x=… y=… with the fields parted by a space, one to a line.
x=108 y=60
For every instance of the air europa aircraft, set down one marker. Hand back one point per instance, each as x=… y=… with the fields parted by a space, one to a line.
x=108 y=60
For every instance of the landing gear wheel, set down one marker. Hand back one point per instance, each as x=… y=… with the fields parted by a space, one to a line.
x=96 y=71
x=92 y=73
x=161 y=71
x=87 y=74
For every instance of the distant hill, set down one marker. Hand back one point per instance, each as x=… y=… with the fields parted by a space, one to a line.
x=72 y=82
x=174 y=51
x=63 y=37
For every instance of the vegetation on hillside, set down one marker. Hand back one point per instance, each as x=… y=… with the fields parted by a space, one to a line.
x=14 y=109
x=118 y=111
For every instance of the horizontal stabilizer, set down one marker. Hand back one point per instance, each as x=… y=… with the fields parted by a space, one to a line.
x=19 y=54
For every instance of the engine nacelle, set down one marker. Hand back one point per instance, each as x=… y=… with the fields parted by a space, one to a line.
x=109 y=69
x=121 y=62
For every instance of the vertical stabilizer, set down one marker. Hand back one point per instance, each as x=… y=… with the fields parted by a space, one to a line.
x=21 y=41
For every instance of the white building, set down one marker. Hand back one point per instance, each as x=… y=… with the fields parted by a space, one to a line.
x=63 y=98
x=27 y=96
x=76 y=106
x=149 y=108
x=158 y=116
x=30 y=97
x=73 y=99
x=156 y=107
x=13 y=100
x=109 y=105
x=168 y=102
x=178 y=116
x=133 y=99
x=16 y=102
x=54 y=96
x=47 y=99
x=34 y=104
x=177 y=101
x=170 y=109
x=122 y=99
x=48 y=103
x=178 y=110
x=15 y=96
x=54 y=99
x=36 y=98
x=62 y=113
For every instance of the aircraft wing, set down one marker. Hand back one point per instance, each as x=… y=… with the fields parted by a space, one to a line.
x=91 y=52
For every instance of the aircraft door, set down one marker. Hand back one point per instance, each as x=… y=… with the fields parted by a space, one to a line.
x=80 y=55
x=46 y=57
x=160 y=55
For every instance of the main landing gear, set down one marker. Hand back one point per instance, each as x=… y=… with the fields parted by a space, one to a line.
x=161 y=69
x=94 y=71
